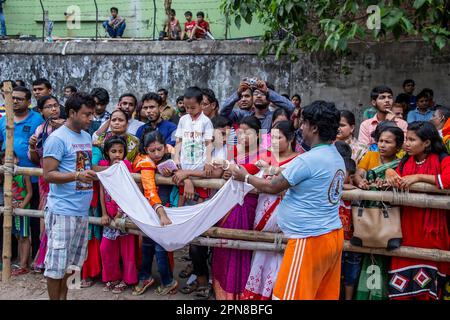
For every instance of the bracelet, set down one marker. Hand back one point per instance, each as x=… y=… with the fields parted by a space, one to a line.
x=227 y=165
x=157 y=206
x=32 y=149
x=247 y=176
x=77 y=175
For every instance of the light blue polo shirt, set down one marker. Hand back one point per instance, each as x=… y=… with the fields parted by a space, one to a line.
x=23 y=130
x=311 y=205
x=416 y=115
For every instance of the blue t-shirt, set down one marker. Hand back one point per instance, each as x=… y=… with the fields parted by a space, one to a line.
x=311 y=205
x=416 y=115
x=166 y=128
x=23 y=130
x=74 y=152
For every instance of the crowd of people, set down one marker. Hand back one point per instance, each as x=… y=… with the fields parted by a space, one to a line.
x=299 y=159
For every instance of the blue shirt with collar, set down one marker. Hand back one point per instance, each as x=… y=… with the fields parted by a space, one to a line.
x=416 y=115
x=166 y=128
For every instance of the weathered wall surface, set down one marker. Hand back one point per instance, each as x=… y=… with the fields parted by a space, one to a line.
x=140 y=67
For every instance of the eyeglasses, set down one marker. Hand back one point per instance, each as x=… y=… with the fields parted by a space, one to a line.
x=258 y=93
x=50 y=106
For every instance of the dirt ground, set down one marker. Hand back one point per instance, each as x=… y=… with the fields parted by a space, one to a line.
x=33 y=286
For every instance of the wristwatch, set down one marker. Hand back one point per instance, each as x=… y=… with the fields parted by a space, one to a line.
x=247 y=176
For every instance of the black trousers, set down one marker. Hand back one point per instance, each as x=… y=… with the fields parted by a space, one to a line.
x=35 y=224
x=199 y=256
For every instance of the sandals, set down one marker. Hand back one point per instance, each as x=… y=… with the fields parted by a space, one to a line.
x=110 y=286
x=121 y=287
x=189 y=288
x=142 y=286
x=203 y=293
x=186 y=272
x=169 y=289
x=86 y=283
x=19 y=271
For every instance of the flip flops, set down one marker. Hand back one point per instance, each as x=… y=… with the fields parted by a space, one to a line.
x=19 y=271
x=142 y=286
x=121 y=287
x=169 y=289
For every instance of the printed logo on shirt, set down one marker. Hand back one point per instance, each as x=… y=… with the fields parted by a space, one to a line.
x=336 y=186
x=83 y=163
x=26 y=129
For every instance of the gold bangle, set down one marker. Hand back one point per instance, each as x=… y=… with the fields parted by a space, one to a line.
x=77 y=175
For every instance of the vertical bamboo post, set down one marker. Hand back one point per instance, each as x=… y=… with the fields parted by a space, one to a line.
x=7 y=187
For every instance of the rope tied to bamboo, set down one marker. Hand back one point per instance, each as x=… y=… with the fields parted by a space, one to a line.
x=121 y=224
x=12 y=171
x=278 y=241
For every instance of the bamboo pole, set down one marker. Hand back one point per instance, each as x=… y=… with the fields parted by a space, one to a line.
x=266 y=241
x=7 y=186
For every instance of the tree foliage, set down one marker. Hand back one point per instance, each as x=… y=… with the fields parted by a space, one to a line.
x=329 y=25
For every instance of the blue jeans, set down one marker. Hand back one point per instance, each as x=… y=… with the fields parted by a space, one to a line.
x=149 y=249
x=114 y=33
x=351 y=267
x=3 y=25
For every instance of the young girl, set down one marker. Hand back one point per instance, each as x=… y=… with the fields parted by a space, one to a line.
x=115 y=244
x=426 y=161
x=154 y=151
x=346 y=134
x=371 y=175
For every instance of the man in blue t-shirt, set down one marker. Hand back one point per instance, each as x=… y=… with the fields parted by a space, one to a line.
x=25 y=123
x=68 y=168
x=150 y=107
x=309 y=212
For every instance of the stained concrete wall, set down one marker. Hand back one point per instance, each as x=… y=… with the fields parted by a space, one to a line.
x=140 y=67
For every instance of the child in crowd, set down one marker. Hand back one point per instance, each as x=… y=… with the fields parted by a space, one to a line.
x=193 y=148
x=172 y=29
x=188 y=26
x=422 y=112
x=154 y=152
x=201 y=29
x=398 y=109
x=116 y=245
x=22 y=192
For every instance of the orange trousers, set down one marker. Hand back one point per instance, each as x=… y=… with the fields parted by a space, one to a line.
x=311 y=268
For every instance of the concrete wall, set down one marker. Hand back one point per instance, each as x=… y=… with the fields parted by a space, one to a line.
x=140 y=67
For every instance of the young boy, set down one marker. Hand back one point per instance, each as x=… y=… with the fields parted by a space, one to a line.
x=115 y=25
x=22 y=191
x=422 y=112
x=398 y=109
x=201 y=28
x=188 y=26
x=194 y=144
x=172 y=28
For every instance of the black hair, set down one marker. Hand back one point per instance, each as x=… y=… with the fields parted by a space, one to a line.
x=201 y=14
x=180 y=98
x=21 y=82
x=13 y=83
x=24 y=90
x=428 y=91
x=164 y=91
x=350 y=165
x=41 y=102
x=73 y=88
x=288 y=130
x=325 y=116
x=408 y=81
x=390 y=126
x=349 y=116
x=194 y=92
x=114 y=8
x=172 y=11
x=344 y=149
x=43 y=81
x=152 y=96
x=123 y=112
x=253 y=122
x=296 y=96
x=101 y=94
x=221 y=122
x=211 y=96
x=148 y=138
x=112 y=141
x=402 y=98
x=188 y=13
x=445 y=111
x=279 y=112
x=421 y=95
x=129 y=95
x=379 y=90
x=427 y=131
x=75 y=102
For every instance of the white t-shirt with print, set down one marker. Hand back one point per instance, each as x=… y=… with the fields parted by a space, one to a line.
x=194 y=134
